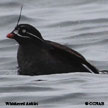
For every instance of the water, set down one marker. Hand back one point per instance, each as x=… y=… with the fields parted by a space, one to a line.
x=81 y=25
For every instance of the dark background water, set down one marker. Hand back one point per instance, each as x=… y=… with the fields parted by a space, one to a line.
x=81 y=25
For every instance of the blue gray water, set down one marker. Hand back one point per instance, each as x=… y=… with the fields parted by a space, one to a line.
x=79 y=24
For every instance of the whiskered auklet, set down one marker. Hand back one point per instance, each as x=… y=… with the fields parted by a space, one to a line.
x=37 y=56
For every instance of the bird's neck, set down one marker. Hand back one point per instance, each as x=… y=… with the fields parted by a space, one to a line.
x=30 y=48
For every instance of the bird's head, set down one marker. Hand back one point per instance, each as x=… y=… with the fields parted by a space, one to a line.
x=25 y=33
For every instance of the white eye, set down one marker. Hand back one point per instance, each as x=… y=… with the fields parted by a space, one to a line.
x=23 y=30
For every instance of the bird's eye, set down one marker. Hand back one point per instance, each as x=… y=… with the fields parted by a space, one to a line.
x=23 y=30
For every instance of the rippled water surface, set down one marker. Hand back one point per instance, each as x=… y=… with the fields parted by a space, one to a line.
x=79 y=24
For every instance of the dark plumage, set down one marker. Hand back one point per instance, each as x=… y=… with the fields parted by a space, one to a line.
x=37 y=56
